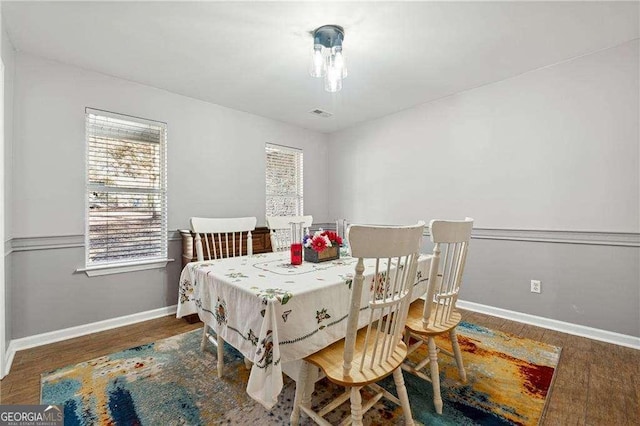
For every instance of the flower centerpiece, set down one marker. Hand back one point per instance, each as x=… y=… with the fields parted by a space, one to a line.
x=321 y=246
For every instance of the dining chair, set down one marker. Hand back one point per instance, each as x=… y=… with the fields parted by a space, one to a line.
x=437 y=314
x=377 y=350
x=280 y=230
x=223 y=237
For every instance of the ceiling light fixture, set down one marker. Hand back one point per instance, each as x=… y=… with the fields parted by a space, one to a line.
x=328 y=60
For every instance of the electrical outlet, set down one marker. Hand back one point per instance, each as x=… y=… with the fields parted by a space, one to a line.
x=536 y=286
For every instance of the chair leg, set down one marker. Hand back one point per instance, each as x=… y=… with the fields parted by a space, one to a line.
x=247 y=363
x=356 y=407
x=203 y=343
x=301 y=385
x=458 y=354
x=435 y=375
x=403 y=396
x=220 y=355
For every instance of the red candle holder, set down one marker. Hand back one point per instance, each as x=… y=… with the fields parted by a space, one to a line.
x=296 y=253
x=296 y=243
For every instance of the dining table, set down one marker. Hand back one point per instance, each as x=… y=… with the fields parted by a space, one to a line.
x=275 y=313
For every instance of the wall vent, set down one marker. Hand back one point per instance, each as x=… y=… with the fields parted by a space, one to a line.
x=320 y=113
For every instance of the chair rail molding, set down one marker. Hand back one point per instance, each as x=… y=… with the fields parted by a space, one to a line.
x=52 y=242
x=625 y=239
x=601 y=238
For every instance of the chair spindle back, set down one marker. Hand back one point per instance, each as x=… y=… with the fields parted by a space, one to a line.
x=223 y=237
x=396 y=251
x=280 y=230
x=450 y=237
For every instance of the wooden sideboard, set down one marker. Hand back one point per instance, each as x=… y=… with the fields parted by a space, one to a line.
x=260 y=237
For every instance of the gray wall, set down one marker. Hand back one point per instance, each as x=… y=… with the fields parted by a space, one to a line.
x=8 y=58
x=49 y=296
x=587 y=284
x=215 y=168
x=552 y=149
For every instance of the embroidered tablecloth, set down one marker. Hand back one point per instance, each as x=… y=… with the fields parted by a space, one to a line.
x=274 y=312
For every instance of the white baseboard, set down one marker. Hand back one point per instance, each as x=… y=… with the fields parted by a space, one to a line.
x=565 y=327
x=8 y=359
x=82 y=330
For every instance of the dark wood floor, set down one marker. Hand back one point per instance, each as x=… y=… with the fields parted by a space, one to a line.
x=596 y=383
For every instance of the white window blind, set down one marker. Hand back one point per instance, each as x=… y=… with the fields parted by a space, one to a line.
x=126 y=189
x=284 y=181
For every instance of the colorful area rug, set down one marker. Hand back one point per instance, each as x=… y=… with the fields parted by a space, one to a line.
x=170 y=382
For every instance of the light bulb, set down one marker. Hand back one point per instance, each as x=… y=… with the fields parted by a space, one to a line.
x=317 y=62
x=333 y=78
x=339 y=61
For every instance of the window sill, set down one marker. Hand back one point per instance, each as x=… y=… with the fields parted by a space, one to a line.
x=118 y=268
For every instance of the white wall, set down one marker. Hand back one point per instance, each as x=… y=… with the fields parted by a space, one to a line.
x=215 y=168
x=553 y=149
x=556 y=148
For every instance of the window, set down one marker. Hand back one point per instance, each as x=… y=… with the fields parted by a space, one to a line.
x=126 y=210
x=284 y=181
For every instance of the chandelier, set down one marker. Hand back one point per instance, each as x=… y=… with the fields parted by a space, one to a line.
x=328 y=60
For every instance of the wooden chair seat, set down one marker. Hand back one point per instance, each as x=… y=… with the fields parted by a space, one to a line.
x=415 y=324
x=329 y=360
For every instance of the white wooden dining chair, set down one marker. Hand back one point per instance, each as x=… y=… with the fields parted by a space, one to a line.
x=437 y=314
x=280 y=230
x=377 y=350
x=223 y=237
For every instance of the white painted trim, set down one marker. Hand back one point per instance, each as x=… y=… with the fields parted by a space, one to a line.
x=96 y=271
x=82 y=330
x=50 y=242
x=8 y=359
x=599 y=238
x=45 y=243
x=3 y=310
x=565 y=327
x=624 y=239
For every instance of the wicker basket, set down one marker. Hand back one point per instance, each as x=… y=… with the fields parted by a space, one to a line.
x=329 y=253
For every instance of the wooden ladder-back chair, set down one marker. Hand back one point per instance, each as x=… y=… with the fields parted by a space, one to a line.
x=222 y=238
x=437 y=313
x=280 y=230
x=377 y=350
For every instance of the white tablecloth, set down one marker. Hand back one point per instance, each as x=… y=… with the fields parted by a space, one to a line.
x=273 y=312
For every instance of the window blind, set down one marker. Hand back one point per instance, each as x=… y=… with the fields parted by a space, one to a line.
x=126 y=189
x=284 y=177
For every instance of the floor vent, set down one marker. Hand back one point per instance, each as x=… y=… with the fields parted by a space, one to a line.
x=320 y=113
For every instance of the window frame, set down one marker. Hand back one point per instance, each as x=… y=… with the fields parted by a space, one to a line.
x=299 y=195
x=93 y=268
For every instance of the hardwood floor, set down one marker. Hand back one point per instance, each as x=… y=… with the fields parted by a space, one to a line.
x=596 y=383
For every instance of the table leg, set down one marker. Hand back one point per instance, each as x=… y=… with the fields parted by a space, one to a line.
x=310 y=384
x=299 y=396
x=305 y=385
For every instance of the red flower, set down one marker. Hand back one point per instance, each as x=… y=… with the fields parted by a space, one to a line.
x=333 y=237
x=318 y=244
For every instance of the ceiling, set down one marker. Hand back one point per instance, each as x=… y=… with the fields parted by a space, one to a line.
x=255 y=57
